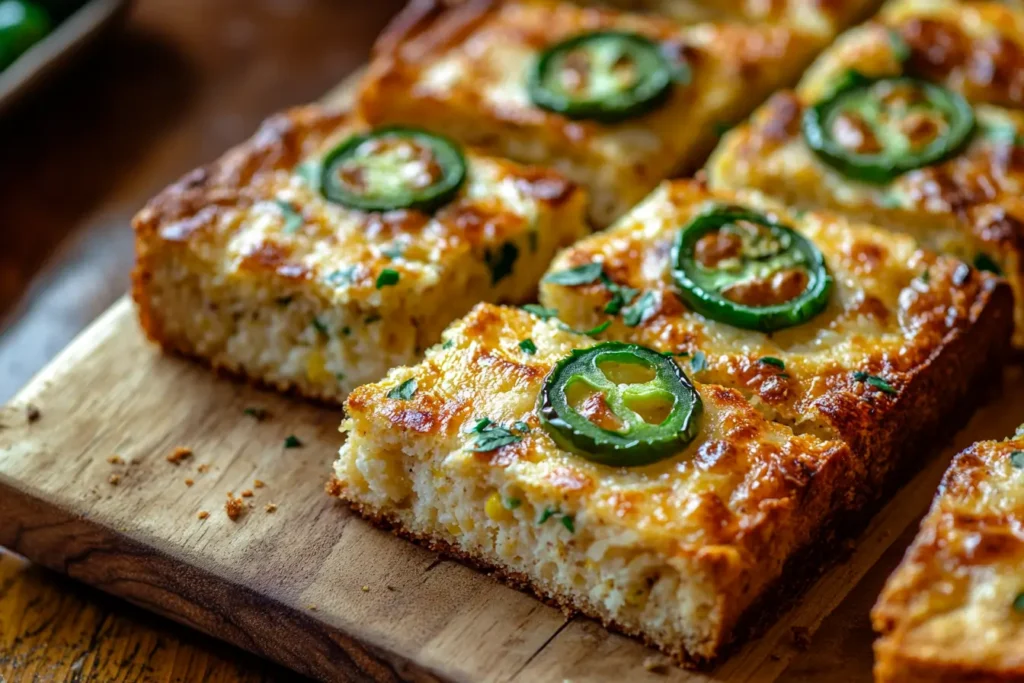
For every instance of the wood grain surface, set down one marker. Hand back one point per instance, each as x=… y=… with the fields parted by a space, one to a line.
x=308 y=585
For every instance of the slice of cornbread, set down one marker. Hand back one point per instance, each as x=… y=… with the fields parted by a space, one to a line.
x=246 y=265
x=905 y=337
x=452 y=452
x=968 y=204
x=464 y=69
x=954 y=609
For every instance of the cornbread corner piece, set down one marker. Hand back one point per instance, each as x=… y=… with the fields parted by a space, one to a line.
x=954 y=609
x=970 y=204
x=813 y=17
x=246 y=265
x=464 y=71
x=673 y=552
x=905 y=342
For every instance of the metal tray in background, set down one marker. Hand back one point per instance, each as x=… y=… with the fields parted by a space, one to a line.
x=58 y=48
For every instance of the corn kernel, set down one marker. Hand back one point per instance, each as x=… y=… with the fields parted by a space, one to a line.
x=316 y=368
x=495 y=510
x=454 y=529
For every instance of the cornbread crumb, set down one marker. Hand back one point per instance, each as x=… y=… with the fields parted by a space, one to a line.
x=246 y=493
x=135 y=461
x=234 y=507
x=203 y=468
x=366 y=589
x=311 y=607
x=32 y=414
x=189 y=482
x=271 y=507
x=115 y=460
x=258 y=484
x=333 y=487
x=115 y=479
x=202 y=514
x=178 y=454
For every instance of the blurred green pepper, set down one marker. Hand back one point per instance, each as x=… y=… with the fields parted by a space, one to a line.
x=22 y=24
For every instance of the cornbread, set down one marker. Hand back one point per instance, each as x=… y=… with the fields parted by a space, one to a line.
x=968 y=204
x=245 y=265
x=463 y=70
x=904 y=337
x=954 y=609
x=673 y=552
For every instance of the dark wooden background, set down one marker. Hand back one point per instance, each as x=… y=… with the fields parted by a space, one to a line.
x=180 y=82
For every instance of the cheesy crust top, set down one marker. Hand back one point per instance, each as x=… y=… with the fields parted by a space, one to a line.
x=256 y=215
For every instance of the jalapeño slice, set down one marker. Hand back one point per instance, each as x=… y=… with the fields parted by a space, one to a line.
x=606 y=76
x=744 y=269
x=393 y=168
x=620 y=404
x=876 y=130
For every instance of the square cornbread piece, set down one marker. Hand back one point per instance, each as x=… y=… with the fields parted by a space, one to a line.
x=969 y=202
x=452 y=453
x=954 y=609
x=246 y=265
x=814 y=17
x=901 y=342
x=465 y=70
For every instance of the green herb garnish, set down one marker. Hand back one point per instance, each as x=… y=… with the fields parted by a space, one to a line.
x=341 y=277
x=874 y=381
x=393 y=250
x=521 y=426
x=1017 y=459
x=404 y=391
x=283 y=300
x=293 y=220
x=492 y=438
x=372 y=319
x=580 y=275
x=528 y=347
x=387 y=278
x=540 y=311
x=547 y=514
x=774 y=362
x=512 y=503
x=699 y=362
x=569 y=523
x=320 y=327
x=258 y=414
x=900 y=47
x=1018 y=603
x=642 y=310
x=598 y=330
x=983 y=261
x=292 y=441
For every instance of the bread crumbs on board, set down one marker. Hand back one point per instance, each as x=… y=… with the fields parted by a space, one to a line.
x=189 y=482
x=178 y=454
x=203 y=468
x=234 y=507
x=115 y=479
x=202 y=514
x=271 y=508
x=333 y=487
x=246 y=493
x=258 y=484
x=115 y=460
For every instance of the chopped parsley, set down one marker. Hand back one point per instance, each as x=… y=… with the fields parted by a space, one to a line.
x=580 y=275
x=292 y=441
x=387 y=278
x=493 y=438
x=598 y=330
x=900 y=47
x=512 y=503
x=721 y=128
x=874 y=381
x=341 y=277
x=1017 y=459
x=372 y=319
x=346 y=330
x=521 y=426
x=258 y=414
x=293 y=220
x=774 y=362
x=642 y=310
x=404 y=391
x=569 y=523
x=532 y=238
x=984 y=262
x=480 y=425
x=310 y=172
x=528 y=347
x=283 y=300
x=320 y=327
x=448 y=343
x=540 y=311
x=621 y=296
x=1018 y=603
x=501 y=261
x=926 y=276
x=699 y=362
x=547 y=514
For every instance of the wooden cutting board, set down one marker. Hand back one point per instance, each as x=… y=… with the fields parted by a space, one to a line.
x=309 y=585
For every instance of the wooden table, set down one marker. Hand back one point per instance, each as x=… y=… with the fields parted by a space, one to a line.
x=183 y=80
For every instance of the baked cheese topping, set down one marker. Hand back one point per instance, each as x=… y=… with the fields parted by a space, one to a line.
x=956 y=598
x=276 y=223
x=733 y=477
x=464 y=72
x=892 y=304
